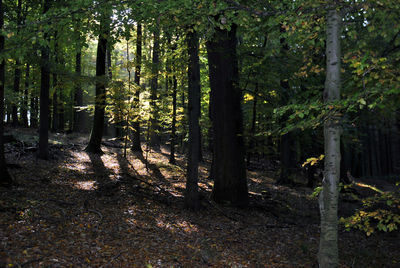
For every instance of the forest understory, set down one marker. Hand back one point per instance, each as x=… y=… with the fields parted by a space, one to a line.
x=86 y=210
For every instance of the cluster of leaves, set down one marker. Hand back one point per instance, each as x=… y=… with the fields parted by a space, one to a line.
x=379 y=213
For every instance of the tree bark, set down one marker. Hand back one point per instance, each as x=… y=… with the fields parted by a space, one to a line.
x=16 y=87
x=287 y=141
x=252 y=143
x=96 y=135
x=328 y=199
x=136 y=147
x=17 y=72
x=5 y=178
x=228 y=168
x=173 y=125
x=154 y=125
x=55 y=116
x=192 y=195
x=24 y=106
x=43 y=152
x=78 y=96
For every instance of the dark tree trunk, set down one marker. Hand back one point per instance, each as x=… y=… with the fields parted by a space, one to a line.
x=17 y=72
x=173 y=125
x=55 y=103
x=16 y=87
x=24 y=106
x=154 y=127
x=33 y=110
x=287 y=142
x=43 y=152
x=55 y=120
x=136 y=147
x=96 y=135
x=5 y=178
x=192 y=194
x=228 y=168
x=253 y=127
x=78 y=96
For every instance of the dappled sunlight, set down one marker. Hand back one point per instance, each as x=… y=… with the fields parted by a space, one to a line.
x=86 y=185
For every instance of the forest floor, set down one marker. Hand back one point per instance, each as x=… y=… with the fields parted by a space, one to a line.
x=84 y=210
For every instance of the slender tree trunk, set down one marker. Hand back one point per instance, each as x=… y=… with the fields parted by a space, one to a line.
x=287 y=142
x=154 y=127
x=173 y=125
x=192 y=195
x=96 y=135
x=17 y=72
x=44 y=96
x=78 y=96
x=55 y=103
x=253 y=126
x=17 y=79
x=328 y=199
x=33 y=109
x=228 y=168
x=24 y=106
x=136 y=147
x=5 y=178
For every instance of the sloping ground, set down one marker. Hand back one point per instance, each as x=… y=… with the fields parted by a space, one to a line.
x=82 y=210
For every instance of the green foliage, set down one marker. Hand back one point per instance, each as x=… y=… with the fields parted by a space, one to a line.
x=379 y=213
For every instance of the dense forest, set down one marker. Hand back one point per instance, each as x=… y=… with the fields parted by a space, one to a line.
x=192 y=133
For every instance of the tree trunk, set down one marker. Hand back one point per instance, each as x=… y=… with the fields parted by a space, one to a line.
x=328 y=199
x=44 y=96
x=78 y=96
x=287 y=141
x=173 y=125
x=16 y=87
x=136 y=147
x=5 y=178
x=24 y=106
x=33 y=109
x=17 y=72
x=154 y=126
x=96 y=135
x=228 y=168
x=253 y=127
x=192 y=195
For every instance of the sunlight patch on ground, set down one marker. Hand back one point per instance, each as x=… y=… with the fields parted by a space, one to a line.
x=180 y=225
x=85 y=185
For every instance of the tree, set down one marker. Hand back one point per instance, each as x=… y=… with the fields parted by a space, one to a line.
x=328 y=199
x=5 y=176
x=136 y=147
x=44 y=94
x=228 y=167
x=191 y=195
x=154 y=126
x=96 y=135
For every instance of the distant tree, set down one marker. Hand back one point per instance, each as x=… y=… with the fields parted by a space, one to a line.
x=136 y=147
x=154 y=125
x=17 y=71
x=5 y=176
x=228 y=167
x=24 y=104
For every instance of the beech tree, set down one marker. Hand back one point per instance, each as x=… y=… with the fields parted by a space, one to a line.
x=44 y=93
x=228 y=168
x=328 y=199
x=96 y=135
x=191 y=196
